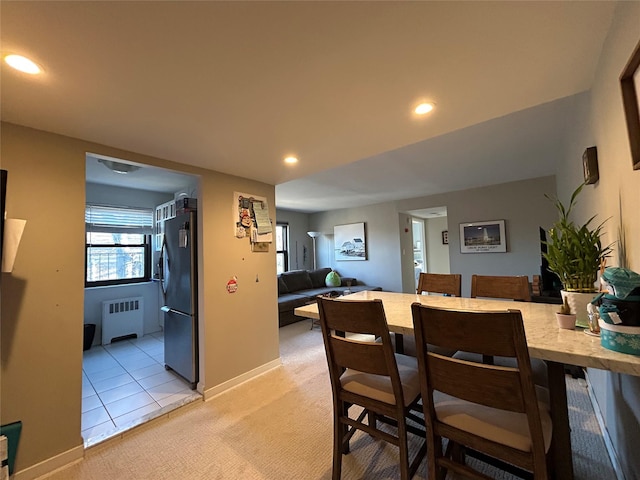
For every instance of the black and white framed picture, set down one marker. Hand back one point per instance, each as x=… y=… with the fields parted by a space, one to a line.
x=483 y=237
x=445 y=237
x=349 y=242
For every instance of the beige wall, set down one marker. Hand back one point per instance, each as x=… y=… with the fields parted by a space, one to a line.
x=603 y=125
x=42 y=300
x=617 y=194
x=615 y=198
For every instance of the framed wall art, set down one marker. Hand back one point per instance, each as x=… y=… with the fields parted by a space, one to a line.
x=483 y=237
x=349 y=242
x=630 y=85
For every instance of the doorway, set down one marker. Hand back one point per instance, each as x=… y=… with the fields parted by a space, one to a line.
x=429 y=244
x=124 y=379
x=419 y=248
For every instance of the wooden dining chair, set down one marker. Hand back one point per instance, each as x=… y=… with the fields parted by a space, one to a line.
x=367 y=373
x=445 y=283
x=496 y=414
x=509 y=287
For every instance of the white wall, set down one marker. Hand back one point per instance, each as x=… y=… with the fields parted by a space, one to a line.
x=437 y=252
x=382 y=267
x=149 y=291
x=127 y=197
x=523 y=207
x=300 y=244
x=521 y=204
x=405 y=227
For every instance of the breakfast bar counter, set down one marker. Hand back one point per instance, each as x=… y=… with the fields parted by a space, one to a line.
x=545 y=340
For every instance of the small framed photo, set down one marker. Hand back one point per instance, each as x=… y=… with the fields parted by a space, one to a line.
x=445 y=237
x=483 y=237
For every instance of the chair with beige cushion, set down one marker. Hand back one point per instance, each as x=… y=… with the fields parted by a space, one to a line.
x=442 y=283
x=367 y=373
x=445 y=283
x=508 y=287
x=494 y=413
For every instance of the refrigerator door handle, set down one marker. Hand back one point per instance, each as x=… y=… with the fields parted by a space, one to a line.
x=164 y=265
x=168 y=309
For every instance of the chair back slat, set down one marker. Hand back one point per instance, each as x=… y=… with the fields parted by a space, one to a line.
x=368 y=346
x=445 y=283
x=509 y=287
x=364 y=356
x=505 y=388
x=366 y=318
x=500 y=385
x=364 y=372
x=477 y=332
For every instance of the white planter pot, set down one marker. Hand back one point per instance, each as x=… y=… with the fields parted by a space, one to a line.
x=578 y=304
x=567 y=321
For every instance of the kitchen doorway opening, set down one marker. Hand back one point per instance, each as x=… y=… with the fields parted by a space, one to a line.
x=130 y=374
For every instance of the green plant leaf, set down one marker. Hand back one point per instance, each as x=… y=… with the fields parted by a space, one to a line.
x=574 y=252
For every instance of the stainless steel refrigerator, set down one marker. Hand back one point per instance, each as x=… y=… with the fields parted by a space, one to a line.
x=180 y=289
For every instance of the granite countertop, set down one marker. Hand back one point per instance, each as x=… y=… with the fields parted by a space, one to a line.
x=544 y=338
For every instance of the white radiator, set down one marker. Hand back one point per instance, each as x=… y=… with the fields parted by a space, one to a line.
x=122 y=316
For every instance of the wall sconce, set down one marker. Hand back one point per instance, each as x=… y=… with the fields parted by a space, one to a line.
x=10 y=230
x=313 y=236
x=13 y=228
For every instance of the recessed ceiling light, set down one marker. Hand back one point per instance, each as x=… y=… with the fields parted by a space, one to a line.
x=291 y=160
x=22 y=63
x=423 y=108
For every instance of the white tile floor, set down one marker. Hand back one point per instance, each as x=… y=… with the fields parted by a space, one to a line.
x=124 y=384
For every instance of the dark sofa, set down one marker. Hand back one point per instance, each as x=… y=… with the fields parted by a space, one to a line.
x=300 y=287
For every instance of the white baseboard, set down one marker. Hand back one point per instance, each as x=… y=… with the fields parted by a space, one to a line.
x=240 y=379
x=613 y=456
x=50 y=465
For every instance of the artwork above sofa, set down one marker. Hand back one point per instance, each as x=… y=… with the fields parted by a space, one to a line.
x=301 y=287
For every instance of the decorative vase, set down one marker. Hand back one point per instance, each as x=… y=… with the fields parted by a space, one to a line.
x=578 y=305
x=566 y=320
x=332 y=279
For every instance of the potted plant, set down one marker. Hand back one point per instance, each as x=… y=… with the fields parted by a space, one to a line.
x=565 y=318
x=575 y=254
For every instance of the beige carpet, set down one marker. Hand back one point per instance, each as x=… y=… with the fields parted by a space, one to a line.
x=278 y=426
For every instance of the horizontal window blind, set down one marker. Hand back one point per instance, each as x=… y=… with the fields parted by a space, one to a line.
x=100 y=218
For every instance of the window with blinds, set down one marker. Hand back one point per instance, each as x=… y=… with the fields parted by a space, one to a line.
x=282 y=247
x=117 y=245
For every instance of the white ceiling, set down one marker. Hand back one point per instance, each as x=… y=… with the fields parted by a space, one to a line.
x=236 y=86
x=146 y=178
